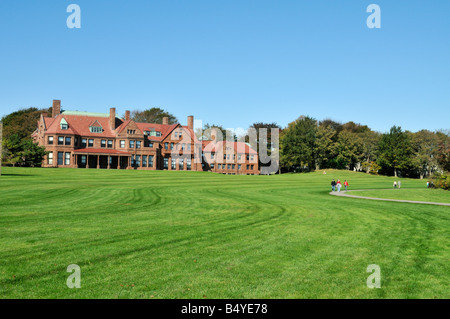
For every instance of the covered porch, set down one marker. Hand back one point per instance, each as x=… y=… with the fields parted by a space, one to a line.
x=102 y=159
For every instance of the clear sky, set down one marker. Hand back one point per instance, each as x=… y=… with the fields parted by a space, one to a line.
x=232 y=62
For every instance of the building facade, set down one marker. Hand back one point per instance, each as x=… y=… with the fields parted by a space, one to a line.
x=104 y=141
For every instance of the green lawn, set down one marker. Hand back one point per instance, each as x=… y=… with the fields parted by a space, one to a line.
x=143 y=234
x=423 y=194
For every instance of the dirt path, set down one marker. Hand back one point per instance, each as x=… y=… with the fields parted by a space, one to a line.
x=345 y=194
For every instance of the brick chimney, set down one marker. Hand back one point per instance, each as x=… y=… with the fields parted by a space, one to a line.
x=56 y=108
x=191 y=122
x=165 y=120
x=112 y=118
x=127 y=115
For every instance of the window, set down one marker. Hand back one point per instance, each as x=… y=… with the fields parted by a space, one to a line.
x=75 y=141
x=228 y=166
x=150 y=161
x=171 y=146
x=63 y=124
x=181 y=164
x=239 y=166
x=212 y=165
x=131 y=144
x=103 y=143
x=60 y=140
x=224 y=156
x=133 y=161
x=131 y=131
x=248 y=157
x=138 y=144
x=251 y=157
x=219 y=166
x=83 y=159
x=83 y=142
x=166 y=163
x=150 y=144
x=91 y=142
x=68 y=141
x=233 y=166
x=252 y=166
x=138 y=160
x=158 y=133
x=183 y=146
x=67 y=159
x=166 y=145
x=110 y=144
x=174 y=164
x=212 y=155
x=176 y=134
x=189 y=147
x=122 y=144
x=50 y=140
x=96 y=129
x=144 y=160
x=188 y=164
x=50 y=158
x=60 y=158
x=248 y=166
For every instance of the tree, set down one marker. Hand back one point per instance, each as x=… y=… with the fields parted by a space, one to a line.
x=22 y=123
x=395 y=151
x=298 y=143
x=370 y=141
x=153 y=115
x=348 y=149
x=325 y=146
x=425 y=144
x=443 y=150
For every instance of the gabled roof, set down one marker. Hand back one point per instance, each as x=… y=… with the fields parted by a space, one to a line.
x=78 y=125
x=238 y=147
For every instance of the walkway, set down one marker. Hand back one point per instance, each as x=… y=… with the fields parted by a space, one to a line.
x=344 y=194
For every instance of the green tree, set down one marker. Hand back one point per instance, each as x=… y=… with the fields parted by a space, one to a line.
x=349 y=149
x=443 y=150
x=425 y=144
x=298 y=143
x=395 y=151
x=153 y=115
x=325 y=147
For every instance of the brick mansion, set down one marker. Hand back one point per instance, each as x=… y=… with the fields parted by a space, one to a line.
x=104 y=141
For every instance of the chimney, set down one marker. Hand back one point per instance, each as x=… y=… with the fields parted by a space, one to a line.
x=165 y=120
x=112 y=118
x=127 y=115
x=56 y=108
x=191 y=122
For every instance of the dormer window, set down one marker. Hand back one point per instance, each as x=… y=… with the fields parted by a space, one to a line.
x=96 y=129
x=63 y=124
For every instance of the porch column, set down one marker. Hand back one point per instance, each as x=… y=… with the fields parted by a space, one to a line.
x=87 y=161
x=109 y=166
x=98 y=161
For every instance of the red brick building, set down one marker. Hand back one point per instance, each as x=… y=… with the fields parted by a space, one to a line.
x=96 y=140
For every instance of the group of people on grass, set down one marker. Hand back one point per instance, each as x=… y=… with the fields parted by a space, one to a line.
x=397 y=185
x=337 y=185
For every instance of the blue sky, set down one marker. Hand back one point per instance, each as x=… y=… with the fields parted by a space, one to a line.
x=232 y=62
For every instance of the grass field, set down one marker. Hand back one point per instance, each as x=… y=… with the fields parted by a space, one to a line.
x=143 y=234
x=414 y=194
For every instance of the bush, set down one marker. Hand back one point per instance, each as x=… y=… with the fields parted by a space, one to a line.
x=441 y=180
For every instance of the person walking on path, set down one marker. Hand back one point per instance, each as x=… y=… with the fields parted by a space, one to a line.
x=339 y=185
x=399 y=184
x=345 y=185
x=333 y=185
x=395 y=184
